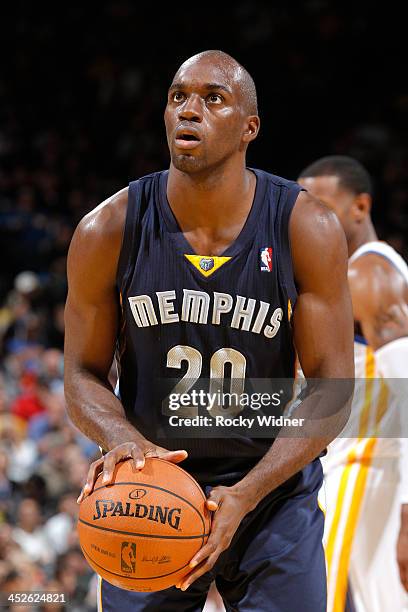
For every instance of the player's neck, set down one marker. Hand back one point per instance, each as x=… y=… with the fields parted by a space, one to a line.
x=366 y=234
x=223 y=196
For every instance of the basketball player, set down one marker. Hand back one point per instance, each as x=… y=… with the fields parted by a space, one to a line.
x=169 y=271
x=362 y=476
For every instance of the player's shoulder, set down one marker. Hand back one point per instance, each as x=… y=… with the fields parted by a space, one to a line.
x=307 y=207
x=95 y=245
x=314 y=222
x=109 y=216
x=377 y=277
x=106 y=218
x=369 y=265
x=98 y=236
x=377 y=269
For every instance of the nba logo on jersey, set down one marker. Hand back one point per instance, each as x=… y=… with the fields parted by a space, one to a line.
x=266 y=259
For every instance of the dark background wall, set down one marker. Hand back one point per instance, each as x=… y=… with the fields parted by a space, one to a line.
x=83 y=91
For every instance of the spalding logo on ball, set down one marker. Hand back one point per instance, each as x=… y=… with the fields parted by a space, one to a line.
x=144 y=545
x=107 y=507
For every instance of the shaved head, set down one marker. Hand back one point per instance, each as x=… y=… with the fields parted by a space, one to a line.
x=234 y=71
x=211 y=113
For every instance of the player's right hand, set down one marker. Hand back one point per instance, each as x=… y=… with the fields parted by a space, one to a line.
x=127 y=450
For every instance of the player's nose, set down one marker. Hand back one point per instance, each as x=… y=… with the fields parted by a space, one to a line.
x=191 y=110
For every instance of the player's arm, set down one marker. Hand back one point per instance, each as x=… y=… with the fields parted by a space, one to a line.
x=380 y=294
x=402 y=542
x=323 y=335
x=91 y=326
x=323 y=332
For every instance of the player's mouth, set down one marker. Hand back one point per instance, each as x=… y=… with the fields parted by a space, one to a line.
x=187 y=138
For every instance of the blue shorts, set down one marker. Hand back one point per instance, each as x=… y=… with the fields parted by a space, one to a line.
x=275 y=562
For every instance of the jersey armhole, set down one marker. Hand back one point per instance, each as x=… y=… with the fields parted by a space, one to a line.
x=127 y=249
x=286 y=262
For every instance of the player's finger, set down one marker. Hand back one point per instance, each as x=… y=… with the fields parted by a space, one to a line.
x=109 y=467
x=138 y=458
x=81 y=495
x=199 y=571
x=208 y=549
x=173 y=456
x=93 y=472
x=218 y=540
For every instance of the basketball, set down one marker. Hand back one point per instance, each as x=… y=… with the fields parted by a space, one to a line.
x=141 y=532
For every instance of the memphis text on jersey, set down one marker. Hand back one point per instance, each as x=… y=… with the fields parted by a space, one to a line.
x=246 y=314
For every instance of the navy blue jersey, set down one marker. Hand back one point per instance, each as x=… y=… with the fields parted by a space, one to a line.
x=187 y=315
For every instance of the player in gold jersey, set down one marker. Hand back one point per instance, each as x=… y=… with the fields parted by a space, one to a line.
x=366 y=490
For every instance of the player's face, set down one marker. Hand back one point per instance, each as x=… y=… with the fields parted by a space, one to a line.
x=327 y=190
x=205 y=116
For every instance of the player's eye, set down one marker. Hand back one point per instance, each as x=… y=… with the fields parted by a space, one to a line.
x=178 y=96
x=215 y=98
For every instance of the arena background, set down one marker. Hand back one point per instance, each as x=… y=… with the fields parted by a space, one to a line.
x=82 y=92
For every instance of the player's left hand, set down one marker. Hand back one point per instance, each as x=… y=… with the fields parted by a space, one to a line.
x=402 y=551
x=229 y=507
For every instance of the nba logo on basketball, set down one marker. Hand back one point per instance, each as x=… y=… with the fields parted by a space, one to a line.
x=128 y=557
x=266 y=259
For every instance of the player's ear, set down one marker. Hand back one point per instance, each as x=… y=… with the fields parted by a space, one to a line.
x=362 y=206
x=251 y=128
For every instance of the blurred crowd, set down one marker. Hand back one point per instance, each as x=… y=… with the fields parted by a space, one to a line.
x=44 y=459
x=77 y=126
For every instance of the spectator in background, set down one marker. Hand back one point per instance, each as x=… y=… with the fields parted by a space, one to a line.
x=32 y=398
x=5 y=486
x=35 y=488
x=22 y=454
x=53 y=366
x=73 y=574
x=52 y=465
x=17 y=571
x=7 y=420
x=53 y=418
x=60 y=529
x=26 y=319
x=30 y=533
